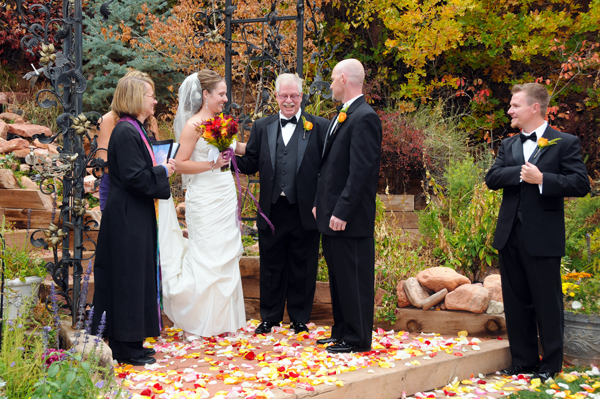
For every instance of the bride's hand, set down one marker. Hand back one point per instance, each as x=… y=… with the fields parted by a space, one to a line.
x=221 y=161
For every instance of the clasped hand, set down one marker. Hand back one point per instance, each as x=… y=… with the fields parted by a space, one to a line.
x=531 y=174
x=221 y=162
x=170 y=164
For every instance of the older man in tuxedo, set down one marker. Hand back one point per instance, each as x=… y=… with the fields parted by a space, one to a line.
x=536 y=169
x=286 y=149
x=345 y=209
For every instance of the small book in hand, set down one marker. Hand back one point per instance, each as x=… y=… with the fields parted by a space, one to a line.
x=164 y=150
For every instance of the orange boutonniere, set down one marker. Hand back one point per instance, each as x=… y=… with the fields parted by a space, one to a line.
x=543 y=143
x=343 y=115
x=307 y=125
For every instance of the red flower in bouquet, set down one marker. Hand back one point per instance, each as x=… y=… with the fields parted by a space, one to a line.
x=219 y=131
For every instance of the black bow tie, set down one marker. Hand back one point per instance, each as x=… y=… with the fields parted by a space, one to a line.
x=291 y=120
x=339 y=108
x=531 y=137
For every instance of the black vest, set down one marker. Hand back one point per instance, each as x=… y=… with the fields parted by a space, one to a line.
x=285 y=168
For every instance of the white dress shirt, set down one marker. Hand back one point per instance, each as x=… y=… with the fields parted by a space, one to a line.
x=288 y=130
x=529 y=146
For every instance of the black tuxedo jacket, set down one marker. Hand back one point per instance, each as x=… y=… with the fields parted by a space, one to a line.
x=261 y=152
x=543 y=221
x=349 y=173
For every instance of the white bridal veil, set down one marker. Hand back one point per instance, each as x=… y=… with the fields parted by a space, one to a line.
x=190 y=101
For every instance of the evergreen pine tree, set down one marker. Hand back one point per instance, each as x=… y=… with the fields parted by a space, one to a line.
x=111 y=48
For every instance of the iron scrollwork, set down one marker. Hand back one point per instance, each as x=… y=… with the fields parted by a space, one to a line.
x=260 y=42
x=60 y=58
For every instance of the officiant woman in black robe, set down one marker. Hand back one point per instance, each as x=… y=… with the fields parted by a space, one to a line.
x=125 y=269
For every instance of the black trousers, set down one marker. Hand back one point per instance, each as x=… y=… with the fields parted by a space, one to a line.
x=532 y=292
x=351 y=264
x=288 y=265
x=126 y=350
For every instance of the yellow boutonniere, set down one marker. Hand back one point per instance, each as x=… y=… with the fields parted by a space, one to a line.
x=543 y=143
x=307 y=125
x=342 y=115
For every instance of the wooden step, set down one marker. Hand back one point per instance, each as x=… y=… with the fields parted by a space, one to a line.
x=21 y=238
x=24 y=198
x=40 y=219
x=398 y=202
x=403 y=220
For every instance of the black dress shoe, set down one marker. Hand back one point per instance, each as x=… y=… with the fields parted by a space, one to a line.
x=298 y=327
x=265 y=327
x=326 y=341
x=343 y=347
x=149 y=352
x=138 y=361
x=543 y=376
x=516 y=370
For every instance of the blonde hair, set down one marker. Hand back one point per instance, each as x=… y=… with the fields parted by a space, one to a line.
x=129 y=95
x=534 y=93
x=209 y=80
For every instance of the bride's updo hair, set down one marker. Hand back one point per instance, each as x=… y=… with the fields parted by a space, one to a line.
x=209 y=79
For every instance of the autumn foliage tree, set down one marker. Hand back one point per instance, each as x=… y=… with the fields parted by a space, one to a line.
x=474 y=51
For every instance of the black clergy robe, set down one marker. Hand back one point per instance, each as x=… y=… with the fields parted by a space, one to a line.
x=125 y=265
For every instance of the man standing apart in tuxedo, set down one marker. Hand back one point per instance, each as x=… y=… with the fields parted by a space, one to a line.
x=345 y=209
x=536 y=169
x=286 y=149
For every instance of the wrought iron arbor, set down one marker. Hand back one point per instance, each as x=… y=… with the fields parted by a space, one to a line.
x=63 y=68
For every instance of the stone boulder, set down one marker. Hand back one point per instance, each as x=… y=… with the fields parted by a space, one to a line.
x=27 y=183
x=8 y=179
x=3 y=129
x=438 y=278
x=89 y=184
x=415 y=293
x=12 y=145
x=401 y=294
x=11 y=117
x=26 y=130
x=435 y=299
x=470 y=297
x=494 y=286
x=38 y=144
x=495 y=308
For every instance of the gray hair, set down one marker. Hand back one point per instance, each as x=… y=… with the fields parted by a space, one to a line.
x=289 y=77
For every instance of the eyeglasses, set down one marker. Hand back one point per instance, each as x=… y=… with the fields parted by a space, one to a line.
x=292 y=97
x=152 y=96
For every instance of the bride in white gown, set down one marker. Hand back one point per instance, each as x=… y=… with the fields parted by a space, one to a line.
x=202 y=287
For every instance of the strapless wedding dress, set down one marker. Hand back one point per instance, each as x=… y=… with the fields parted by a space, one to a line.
x=202 y=286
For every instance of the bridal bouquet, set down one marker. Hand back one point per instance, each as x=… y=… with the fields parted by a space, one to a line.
x=219 y=132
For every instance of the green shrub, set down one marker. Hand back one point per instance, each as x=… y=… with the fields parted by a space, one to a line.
x=397 y=257
x=460 y=221
x=582 y=216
